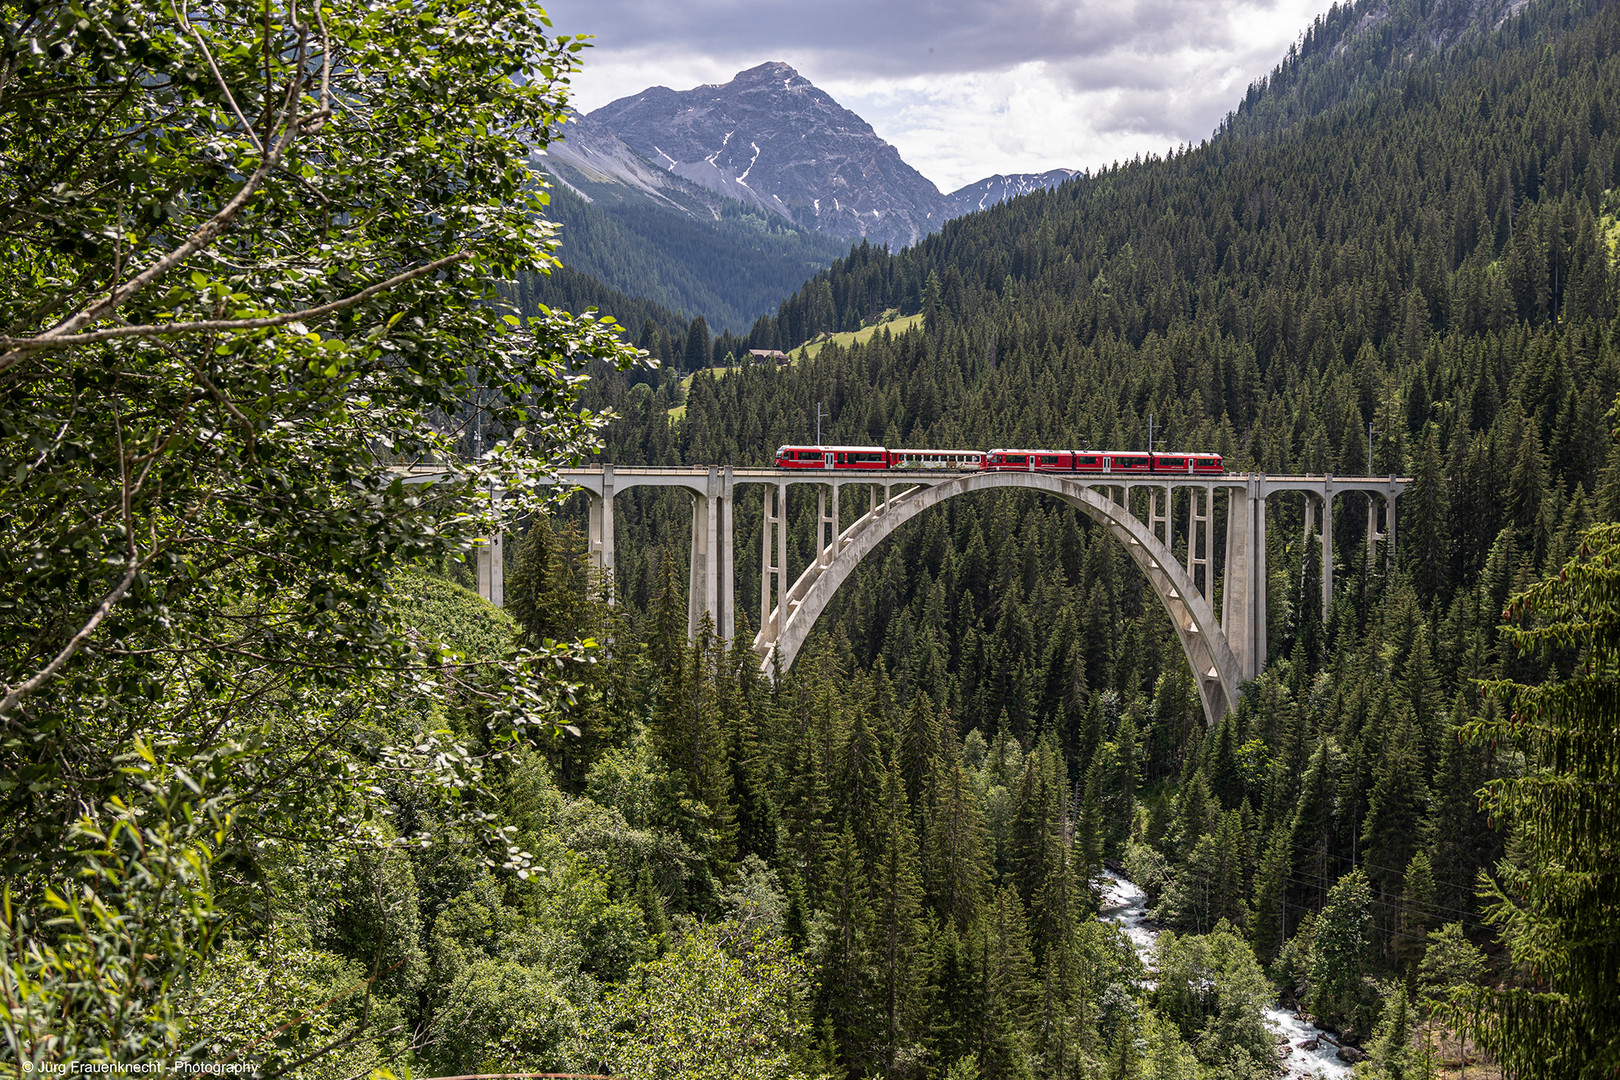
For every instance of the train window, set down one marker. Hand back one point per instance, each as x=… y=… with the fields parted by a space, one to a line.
x=1132 y=462
x=1049 y=459
x=1173 y=462
x=1017 y=459
x=1085 y=459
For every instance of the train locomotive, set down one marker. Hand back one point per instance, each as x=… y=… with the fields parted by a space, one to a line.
x=1103 y=462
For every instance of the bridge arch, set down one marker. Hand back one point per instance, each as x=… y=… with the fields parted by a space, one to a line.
x=1215 y=668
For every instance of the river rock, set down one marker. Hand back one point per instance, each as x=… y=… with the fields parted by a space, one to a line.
x=1309 y=1045
x=1350 y=1055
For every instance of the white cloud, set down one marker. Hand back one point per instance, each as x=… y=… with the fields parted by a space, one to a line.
x=963 y=88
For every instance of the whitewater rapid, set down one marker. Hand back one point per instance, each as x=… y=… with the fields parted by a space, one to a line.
x=1125 y=906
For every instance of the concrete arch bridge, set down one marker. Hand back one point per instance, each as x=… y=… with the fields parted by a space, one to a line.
x=1225 y=648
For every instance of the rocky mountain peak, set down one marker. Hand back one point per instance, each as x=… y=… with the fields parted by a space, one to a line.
x=771 y=138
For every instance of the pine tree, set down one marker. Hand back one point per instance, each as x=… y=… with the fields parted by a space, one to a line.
x=899 y=951
x=699 y=352
x=848 y=975
x=1553 y=900
x=919 y=746
x=1391 y=1055
x=958 y=865
x=1389 y=832
x=1461 y=842
x=1006 y=970
x=1425 y=520
x=690 y=732
x=860 y=784
x=1311 y=829
x=1271 y=887
x=959 y=1009
x=1418 y=908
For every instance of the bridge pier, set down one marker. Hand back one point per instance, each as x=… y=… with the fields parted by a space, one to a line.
x=773 y=558
x=1326 y=539
x=712 y=575
x=600 y=536
x=1243 y=604
x=491 y=558
x=1375 y=503
x=1197 y=538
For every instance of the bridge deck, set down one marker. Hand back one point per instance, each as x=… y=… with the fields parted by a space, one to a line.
x=690 y=475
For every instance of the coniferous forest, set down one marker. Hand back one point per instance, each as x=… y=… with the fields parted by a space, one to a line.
x=305 y=805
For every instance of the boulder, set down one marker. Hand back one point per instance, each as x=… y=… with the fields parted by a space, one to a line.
x=1350 y=1055
x=1309 y=1045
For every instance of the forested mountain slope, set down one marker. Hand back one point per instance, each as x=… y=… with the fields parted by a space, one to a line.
x=1354 y=47
x=727 y=266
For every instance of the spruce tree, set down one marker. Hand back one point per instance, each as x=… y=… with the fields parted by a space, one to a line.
x=1553 y=899
x=1271 y=888
x=848 y=969
x=1006 y=970
x=899 y=951
x=958 y=866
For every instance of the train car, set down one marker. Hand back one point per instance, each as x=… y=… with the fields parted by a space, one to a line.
x=866 y=458
x=1090 y=461
x=1131 y=464
x=1029 y=461
x=1189 y=464
x=936 y=460
x=1102 y=462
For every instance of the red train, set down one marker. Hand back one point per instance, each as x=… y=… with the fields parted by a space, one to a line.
x=875 y=458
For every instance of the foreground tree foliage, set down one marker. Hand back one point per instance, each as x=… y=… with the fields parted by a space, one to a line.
x=1555 y=900
x=250 y=255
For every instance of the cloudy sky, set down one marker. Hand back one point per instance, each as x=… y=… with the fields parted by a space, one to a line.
x=963 y=88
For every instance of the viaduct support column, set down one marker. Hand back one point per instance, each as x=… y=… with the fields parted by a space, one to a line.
x=1198 y=545
x=773 y=565
x=601 y=532
x=711 y=518
x=827 y=523
x=1310 y=534
x=1262 y=574
x=728 y=567
x=491 y=559
x=492 y=571
x=1389 y=522
x=1327 y=545
x=1240 y=582
x=1386 y=536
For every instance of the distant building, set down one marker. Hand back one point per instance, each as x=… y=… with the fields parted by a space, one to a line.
x=769 y=354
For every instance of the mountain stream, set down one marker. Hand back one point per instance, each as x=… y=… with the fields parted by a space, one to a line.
x=1125 y=906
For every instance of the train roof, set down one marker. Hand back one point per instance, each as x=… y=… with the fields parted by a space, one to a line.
x=814 y=446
